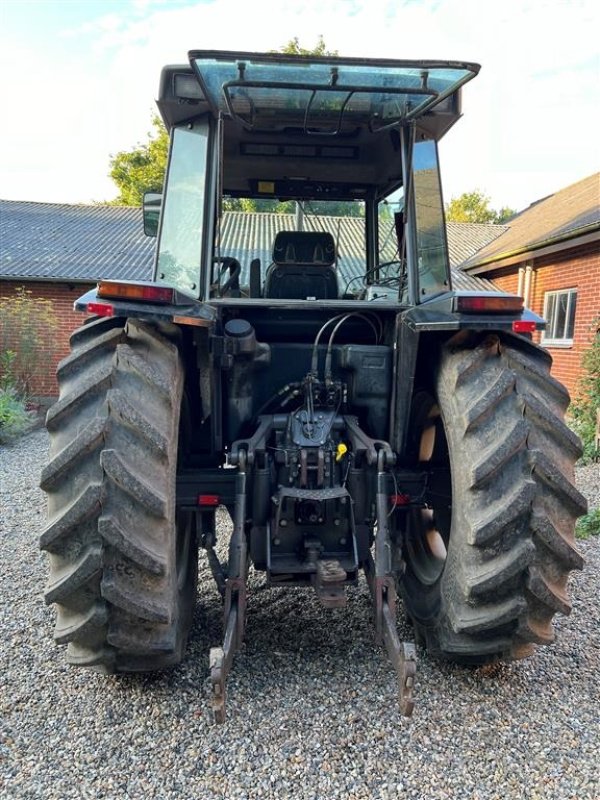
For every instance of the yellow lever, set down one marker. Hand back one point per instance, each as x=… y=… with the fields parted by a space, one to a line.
x=341 y=451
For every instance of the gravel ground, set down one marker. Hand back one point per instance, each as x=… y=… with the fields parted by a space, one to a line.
x=312 y=710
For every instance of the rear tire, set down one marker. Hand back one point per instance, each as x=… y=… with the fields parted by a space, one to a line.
x=487 y=564
x=123 y=569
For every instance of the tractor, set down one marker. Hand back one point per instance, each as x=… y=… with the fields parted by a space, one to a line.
x=303 y=360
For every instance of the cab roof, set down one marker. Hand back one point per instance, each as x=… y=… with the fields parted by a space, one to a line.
x=329 y=120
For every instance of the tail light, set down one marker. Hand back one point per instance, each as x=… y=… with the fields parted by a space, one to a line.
x=488 y=303
x=148 y=293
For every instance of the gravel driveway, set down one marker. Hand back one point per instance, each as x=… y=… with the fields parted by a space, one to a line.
x=312 y=711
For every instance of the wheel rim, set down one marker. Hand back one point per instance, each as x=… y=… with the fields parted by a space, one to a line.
x=429 y=434
x=183 y=547
x=185 y=520
x=426 y=546
x=428 y=528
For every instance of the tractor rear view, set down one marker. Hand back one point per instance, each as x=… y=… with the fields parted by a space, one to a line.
x=302 y=359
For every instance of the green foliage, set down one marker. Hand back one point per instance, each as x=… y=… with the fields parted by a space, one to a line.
x=342 y=208
x=7 y=369
x=582 y=412
x=293 y=48
x=141 y=169
x=475 y=207
x=589 y=525
x=25 y=325
x=249 y=205
x=504 y=214
x=13 y=414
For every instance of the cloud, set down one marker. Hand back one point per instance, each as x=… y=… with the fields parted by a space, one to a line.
x=531 y=117
x=106 y=23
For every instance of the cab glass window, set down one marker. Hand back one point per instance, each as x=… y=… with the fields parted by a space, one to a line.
x=180 y=243
x=432 y=249
x=389 y=275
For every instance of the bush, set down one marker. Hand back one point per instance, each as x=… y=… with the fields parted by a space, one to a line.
x=582 y=412
x=589 y=525
x=7 y=366
x=26 y=324
x=13 y=413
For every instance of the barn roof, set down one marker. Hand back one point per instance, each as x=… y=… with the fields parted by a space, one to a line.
x=83 y=243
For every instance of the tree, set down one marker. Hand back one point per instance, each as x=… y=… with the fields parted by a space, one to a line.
x=475 y=207
x=293 y=48
x=248 y=205
x=143 y=168
x=504 y=214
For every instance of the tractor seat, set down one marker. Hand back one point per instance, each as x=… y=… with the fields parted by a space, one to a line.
x=303 y=267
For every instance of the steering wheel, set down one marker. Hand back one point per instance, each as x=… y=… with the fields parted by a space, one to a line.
x=232 y=284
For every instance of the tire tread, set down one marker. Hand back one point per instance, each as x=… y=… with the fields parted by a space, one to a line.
x=110 y=526
x=512 y=543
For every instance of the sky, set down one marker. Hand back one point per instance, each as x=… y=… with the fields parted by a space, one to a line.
x=78 y=81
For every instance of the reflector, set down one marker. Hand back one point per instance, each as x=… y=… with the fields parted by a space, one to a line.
x=101 y=309
x=523 y=326
x=208 y=499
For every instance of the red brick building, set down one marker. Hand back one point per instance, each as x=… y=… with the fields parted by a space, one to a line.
x=550 y=255
x=57 y=252
x=52 y=348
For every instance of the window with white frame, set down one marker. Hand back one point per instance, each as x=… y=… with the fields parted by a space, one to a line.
x=559 y=313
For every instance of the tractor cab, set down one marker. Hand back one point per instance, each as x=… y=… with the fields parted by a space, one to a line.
x=305 y=179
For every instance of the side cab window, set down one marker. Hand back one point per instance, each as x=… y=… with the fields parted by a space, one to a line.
x=432 y=246
x=184 y=202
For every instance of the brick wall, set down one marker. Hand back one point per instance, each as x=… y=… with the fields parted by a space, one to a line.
x=573 y=269
x=55 y=347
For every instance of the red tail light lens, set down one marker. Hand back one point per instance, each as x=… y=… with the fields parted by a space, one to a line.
x=208 y=500
x=523 y=326
x=101 y=309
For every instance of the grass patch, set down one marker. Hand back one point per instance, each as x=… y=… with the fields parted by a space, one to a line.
x=589 y=525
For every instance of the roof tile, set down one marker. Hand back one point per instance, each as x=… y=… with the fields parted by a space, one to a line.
x=570 y=211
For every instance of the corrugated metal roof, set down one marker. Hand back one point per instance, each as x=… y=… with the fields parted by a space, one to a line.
x=48 y=241
x=246 y=236
x=571 y=211
x=68 y=242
